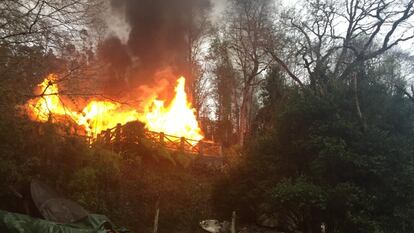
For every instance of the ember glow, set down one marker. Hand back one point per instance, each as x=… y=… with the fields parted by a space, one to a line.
x=178 y=118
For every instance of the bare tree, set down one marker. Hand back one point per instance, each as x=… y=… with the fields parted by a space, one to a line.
x=43 y=22
x=333 y=38
x=42 y=36
x=198 y=34
x=245 y=33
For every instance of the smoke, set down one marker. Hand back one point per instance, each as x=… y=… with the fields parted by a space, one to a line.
x=159 y=38
x=218 y=8
x=116 y=24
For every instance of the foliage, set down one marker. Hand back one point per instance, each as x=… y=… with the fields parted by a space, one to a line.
x=125 y=187
x=225 y=86
x=319 y=165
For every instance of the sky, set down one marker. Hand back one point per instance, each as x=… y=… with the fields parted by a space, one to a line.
x=121 y=29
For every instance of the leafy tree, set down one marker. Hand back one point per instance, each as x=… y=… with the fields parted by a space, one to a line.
x=225 y=92
x=318 y=165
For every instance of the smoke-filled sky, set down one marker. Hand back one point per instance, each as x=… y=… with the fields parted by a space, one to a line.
x=149 y=36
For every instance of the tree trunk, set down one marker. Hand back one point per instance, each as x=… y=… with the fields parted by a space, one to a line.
x=245 y=114
x=357 y=105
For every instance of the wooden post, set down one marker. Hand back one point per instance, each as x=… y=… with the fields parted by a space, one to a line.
x=157 y=215
x=117 y=143
x=200 y=148
x=233 y=222
x=98 y=138
x=162 y=135
x=108 y=136
x=182 y=143
x=118 y=132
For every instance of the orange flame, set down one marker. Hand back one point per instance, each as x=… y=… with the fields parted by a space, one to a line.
x=101 y=115
x=49 y=103
x=177 y=119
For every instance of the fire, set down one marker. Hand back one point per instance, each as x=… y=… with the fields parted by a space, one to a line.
x=49 y=103
x=101 y=115
x=178 y=118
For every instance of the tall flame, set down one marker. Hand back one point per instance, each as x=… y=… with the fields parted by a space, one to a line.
x=178 y=118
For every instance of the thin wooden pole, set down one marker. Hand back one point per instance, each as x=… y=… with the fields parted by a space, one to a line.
x=157 y=215
x=233 y=222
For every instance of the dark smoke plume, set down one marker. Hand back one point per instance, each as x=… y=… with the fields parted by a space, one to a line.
x=158 y=38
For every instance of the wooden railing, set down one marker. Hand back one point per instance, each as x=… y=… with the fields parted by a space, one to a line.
x=116 y=136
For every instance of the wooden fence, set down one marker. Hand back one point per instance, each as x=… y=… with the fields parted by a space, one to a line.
x=118 y=135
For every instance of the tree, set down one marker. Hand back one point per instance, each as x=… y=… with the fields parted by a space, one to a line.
x=225 y=92
x=198 y=33
x=370 y=29
x=274 y=93
x=317 y=166
x=42 y=36
x=245 y=35
x=42 y=22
